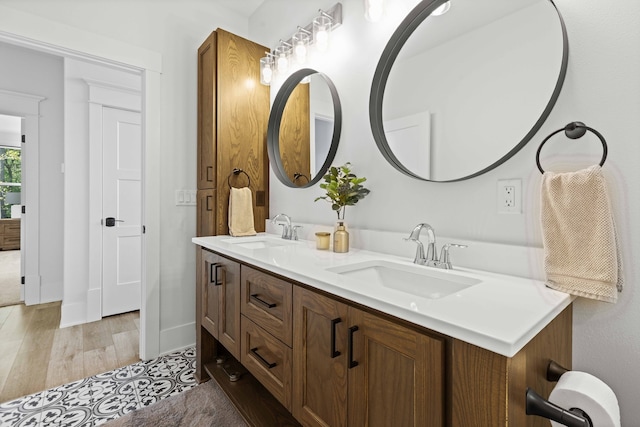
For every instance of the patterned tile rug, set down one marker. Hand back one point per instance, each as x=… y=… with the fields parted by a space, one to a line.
x=95 y=400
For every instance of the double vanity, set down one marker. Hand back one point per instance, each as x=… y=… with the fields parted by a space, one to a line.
x=365 y=338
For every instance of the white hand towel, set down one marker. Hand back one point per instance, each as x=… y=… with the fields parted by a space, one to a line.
x=241 y=212
x=579 y=236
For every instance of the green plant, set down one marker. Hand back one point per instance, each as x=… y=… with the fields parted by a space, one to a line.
x=343 y=188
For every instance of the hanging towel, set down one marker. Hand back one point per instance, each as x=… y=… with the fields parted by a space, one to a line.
x=581 y=255
x=241 y=212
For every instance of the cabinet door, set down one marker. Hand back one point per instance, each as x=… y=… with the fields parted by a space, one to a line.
x=395 y=375
x=207 y=58
x=206 y=219
x=209 y=304
x=229 y=301
x=319 y=362
x=242 y=120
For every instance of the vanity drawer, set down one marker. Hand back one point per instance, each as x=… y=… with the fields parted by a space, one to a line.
x=267 y=301
x=268 y=359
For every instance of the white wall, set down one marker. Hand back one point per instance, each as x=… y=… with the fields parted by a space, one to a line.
x=175 y=30
x=41 y=74
x=602 y=89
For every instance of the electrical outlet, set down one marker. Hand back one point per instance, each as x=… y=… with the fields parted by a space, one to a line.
x=510 y=196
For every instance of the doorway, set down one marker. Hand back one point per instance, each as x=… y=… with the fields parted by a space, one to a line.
x=11 y=292
x=74 y=43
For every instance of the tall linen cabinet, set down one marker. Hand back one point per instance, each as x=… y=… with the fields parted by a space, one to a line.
x=233 y=112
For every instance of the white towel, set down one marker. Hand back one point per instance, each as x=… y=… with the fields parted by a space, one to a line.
x=579 y=236
x=241 y=212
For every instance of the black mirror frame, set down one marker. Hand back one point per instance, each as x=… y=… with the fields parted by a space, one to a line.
x=406 y=28
x=275 y=118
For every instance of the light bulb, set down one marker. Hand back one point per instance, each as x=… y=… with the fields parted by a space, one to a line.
x=283 y=63
x=321 y=29
x=267 y=74
x=322 y=40
x=300 y=52
x=444 y=8
x=373 y=10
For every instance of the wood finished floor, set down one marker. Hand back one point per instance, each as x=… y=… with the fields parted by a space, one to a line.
x=35 y=354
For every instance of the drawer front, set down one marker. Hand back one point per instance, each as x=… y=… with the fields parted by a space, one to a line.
x=268 y=359
x=10 y=243
x=267 y=301
x=12 y=229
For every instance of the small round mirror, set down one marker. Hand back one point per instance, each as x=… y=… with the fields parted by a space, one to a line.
x=457 y=94
x=304 y=128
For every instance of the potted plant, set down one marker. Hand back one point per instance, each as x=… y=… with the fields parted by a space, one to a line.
x=343 y=188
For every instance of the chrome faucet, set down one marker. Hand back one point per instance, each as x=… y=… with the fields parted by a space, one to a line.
x=289 y=232
x=431 y=258
x=420 y=257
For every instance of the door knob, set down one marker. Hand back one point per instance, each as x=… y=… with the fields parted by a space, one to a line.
x=111 y=221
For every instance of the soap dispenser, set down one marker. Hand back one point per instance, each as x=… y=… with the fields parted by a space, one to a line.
x=341 y=239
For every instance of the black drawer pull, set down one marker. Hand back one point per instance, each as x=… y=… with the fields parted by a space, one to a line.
x=255 y=298
x=352 y=363
x=262 y=360
x=209 y=173
x=213 y=274
x=209 y=198
x=334 y=352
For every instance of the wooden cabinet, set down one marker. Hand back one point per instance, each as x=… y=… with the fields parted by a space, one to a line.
x=9 y=234
x=333 y=363
x=233 y=111
x=218 y=300
x=367 y=365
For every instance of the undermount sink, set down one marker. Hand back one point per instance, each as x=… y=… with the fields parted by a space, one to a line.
x=408 y=278
x=257 y=242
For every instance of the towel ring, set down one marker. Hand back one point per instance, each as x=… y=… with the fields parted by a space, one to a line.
x=574 y=130
x=299 y=175
x=237 y=172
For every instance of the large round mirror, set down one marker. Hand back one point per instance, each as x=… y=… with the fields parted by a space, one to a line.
x=455 y=95
x=304 y=128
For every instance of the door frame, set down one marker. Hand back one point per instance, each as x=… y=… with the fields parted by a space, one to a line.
x=27 y=106
x=37 y=33
x=103 y=95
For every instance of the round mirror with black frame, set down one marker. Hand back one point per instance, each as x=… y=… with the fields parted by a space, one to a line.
x=456 y=95
x=304 y=128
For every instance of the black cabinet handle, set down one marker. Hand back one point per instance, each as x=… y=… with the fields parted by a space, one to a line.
x=334 y=352
x=209 y=170
x=257 y=299
x=262 y=360
x=208 y=204
x=213 y=274
x=352 y=330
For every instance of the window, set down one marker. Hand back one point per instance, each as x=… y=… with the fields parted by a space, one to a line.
x=10 y=182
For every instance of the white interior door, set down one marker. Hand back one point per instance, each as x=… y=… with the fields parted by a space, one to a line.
x=409 y=138
x=122 y=211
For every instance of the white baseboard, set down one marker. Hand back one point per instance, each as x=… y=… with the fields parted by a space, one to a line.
x=177 y=338
x=94 y=305
x=72 y=314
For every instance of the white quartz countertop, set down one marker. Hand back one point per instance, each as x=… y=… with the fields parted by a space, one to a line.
x=501 y=314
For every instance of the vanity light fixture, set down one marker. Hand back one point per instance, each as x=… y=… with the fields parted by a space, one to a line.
x=373 y=10
x=266 y=69
x=314 y=35
x=444 y=8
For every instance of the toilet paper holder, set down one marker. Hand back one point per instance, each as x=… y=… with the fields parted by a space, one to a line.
x=537 y=405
